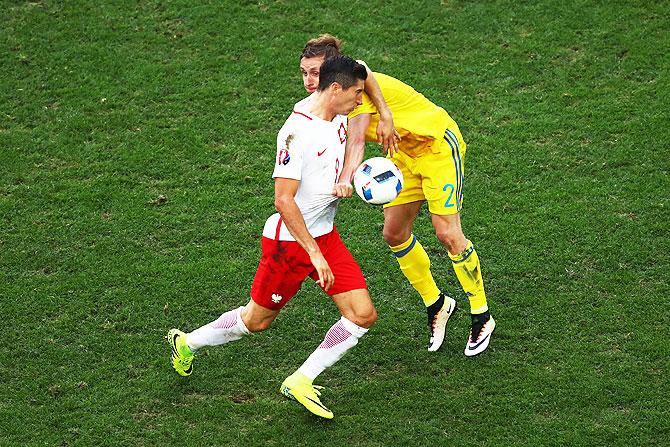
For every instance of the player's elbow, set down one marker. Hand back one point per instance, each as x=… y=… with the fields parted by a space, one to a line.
x=282 y=202
x=365 y=65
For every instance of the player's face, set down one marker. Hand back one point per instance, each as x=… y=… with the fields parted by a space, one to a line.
x=310 y=68
x=351 y=97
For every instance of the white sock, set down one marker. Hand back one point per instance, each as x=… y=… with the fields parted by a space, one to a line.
x=341 y=337
x=228 y=327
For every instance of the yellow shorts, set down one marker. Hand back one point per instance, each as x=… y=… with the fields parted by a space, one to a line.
x=436 y=177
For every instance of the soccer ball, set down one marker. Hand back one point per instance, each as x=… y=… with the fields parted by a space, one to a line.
x=377 y=180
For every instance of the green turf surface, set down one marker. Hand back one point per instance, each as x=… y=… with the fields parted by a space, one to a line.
x=136 y=145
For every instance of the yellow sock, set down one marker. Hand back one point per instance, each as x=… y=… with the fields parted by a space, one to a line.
x=415 y=265
x=469 y=274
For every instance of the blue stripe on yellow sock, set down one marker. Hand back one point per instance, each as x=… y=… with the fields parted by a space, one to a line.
x=403 y=252
x=462 y=257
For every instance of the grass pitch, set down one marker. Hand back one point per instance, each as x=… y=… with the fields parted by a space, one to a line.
x=136 y=146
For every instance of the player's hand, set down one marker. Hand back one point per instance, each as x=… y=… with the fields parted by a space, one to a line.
x=393 y=147
x=387 y=136
x=343 y=189
x=326 y=276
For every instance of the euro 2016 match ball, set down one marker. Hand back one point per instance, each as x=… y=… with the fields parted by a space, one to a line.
x=378 y=181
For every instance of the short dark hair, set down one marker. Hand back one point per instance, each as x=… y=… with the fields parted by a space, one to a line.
x=343 y=70
x=325 y=45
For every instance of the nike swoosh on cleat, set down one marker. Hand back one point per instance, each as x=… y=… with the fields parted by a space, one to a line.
x=173 y=345
x=321 y=153
x=472 y=348
x=318 y=403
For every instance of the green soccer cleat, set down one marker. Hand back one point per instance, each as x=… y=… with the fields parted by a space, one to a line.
x=182 y=356
x=298 y=387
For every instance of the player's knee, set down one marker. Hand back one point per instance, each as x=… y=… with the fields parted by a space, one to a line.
x=394 y=238
x=364 y=317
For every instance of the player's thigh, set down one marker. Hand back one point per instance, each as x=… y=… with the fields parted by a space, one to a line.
x=356 y=306
x=347 y=272
x=282 y=269
x=398 y=222
x=442 y=179
x=349 y=291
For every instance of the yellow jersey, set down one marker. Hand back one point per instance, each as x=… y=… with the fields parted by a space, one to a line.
x=420 y=123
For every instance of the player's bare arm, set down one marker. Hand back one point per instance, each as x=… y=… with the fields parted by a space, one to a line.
x=353 y=153
x=387 y=136
x=285 y=191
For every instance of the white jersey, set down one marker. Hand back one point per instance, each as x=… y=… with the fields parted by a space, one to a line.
x=311 y=150
x=304 y=104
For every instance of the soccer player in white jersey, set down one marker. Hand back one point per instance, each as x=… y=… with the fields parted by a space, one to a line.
x=301 y=240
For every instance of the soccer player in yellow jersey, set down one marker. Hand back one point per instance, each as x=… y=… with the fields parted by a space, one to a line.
x=430 y=155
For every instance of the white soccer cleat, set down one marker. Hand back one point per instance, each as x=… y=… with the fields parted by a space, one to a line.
x=480 y=334
x=438 y=316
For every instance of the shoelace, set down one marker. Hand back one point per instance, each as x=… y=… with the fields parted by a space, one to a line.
x=181 y=360
x=432 y=321
x=316 y=389
x=476 y=330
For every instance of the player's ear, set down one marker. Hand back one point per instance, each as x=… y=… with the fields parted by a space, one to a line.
x=335 y=87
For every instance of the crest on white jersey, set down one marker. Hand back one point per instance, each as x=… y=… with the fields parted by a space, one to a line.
x=342 y=133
